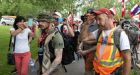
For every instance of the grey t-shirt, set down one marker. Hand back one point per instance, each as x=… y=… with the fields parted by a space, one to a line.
x=93 y=27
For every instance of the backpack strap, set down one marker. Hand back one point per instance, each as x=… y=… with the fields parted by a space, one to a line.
x=14 y=43
x=50 y=36
x=10 y=43
x=46 y=62
x=116 y=37
x=98 y=34
x=61 y=28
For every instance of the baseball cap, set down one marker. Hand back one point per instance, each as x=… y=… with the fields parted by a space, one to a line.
x=43 y=20
x=58 y=14
x=103 y=11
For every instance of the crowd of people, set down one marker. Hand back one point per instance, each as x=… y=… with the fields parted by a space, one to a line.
x=93 y=38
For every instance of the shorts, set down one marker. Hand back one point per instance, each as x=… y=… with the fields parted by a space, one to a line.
x=89 y=61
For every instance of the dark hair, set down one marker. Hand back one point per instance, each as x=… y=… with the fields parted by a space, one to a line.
x=83 y=18
x=91 y=11
x=18 y=19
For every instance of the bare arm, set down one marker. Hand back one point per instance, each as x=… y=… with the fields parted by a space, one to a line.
x=84 y=52
x=70 y=30
x=127 y=62
x=90 y=41
x=14 y=33
x=90 y=50
x=80 y=46
x=30 y=37
x=56 y=62
x=20 y=28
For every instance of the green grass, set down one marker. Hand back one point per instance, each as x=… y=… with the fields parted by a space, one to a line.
x=4 y=41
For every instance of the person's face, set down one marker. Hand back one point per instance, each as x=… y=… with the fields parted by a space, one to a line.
x=21 y=23
x=90 y=16
x=102 y=20
x=105 y=21
x=56 y=23
x=43 y=25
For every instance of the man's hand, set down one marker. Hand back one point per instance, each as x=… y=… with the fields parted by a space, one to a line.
x=83 y=53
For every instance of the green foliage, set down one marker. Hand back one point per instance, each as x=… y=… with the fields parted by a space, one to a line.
x=34 y=7
x=134 y=72
x=109 y=4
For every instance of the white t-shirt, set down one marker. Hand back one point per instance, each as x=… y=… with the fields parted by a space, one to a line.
x=124 y=41
x=22 y=43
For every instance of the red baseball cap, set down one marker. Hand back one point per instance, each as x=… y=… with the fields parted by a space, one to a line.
x=103 y=11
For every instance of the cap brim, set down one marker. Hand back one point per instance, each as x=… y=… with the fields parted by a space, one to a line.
x=97 y=12
x=43 y=20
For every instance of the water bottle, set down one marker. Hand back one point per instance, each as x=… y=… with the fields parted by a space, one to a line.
x=32 y=65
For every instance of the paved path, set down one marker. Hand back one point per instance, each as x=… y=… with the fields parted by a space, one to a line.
x=76 y=68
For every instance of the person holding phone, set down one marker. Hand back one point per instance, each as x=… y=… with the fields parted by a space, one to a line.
x=23 y=37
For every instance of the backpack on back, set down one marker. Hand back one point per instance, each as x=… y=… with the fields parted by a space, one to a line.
x=68 y=51
x=132 y=36
x=131 y=30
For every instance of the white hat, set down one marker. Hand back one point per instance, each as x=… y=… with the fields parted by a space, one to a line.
x=57 y=13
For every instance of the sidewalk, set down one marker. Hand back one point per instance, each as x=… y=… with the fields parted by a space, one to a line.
x=75 y=68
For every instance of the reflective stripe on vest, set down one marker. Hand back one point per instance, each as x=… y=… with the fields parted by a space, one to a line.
x=111 y=57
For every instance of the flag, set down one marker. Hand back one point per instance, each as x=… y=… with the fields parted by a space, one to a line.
x=123 y=8
x=121 y=1
x=113 y=9
x=135 y=10
x=136 y=17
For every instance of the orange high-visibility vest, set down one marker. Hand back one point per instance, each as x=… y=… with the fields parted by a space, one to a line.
x=111 y=57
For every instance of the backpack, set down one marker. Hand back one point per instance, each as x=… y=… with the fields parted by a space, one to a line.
x=131 y=30
x=68 y=52
x=132 y=36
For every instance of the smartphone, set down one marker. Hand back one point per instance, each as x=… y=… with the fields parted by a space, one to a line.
x=30 y=22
